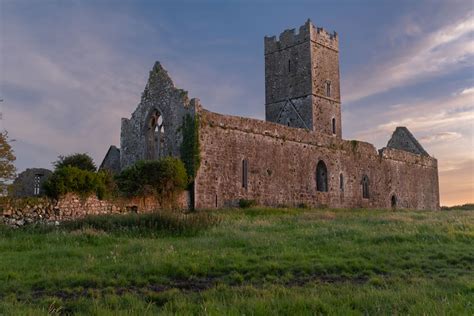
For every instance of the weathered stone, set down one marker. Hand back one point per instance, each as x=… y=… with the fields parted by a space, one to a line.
x=302 y=80
x=30 y=182
x=404 y=140
x=154 y=130
x=275 y=161
x=111 y=161
x=71 y=207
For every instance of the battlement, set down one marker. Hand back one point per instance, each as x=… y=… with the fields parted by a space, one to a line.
x=307 y=32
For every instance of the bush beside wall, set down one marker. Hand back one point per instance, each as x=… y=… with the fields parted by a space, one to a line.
x=164 y=178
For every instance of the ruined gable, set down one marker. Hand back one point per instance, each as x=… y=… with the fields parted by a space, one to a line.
x=153 y=131
x=402 y=139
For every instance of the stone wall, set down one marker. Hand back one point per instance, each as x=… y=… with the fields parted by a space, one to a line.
x=20 y=212
x=282 y=161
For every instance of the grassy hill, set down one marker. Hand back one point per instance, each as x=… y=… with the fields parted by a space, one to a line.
x=253 y=261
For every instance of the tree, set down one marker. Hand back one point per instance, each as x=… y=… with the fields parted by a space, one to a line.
x=7 y=157
x=80 y=161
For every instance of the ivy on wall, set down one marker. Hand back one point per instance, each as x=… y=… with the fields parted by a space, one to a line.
x=190 y=154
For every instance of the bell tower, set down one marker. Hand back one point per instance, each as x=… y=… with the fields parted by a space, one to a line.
x=302 y=80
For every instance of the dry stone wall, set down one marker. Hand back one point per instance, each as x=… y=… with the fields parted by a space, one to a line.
x=18 y=213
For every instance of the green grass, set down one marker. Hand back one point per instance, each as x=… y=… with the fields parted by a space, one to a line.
x=243 y=261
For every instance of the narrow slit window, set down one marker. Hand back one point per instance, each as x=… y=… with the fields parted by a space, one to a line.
x=289 y=65
x=328 y=89
x=334 y=126
x=365 y=187
x=245 y=173
x=341 y=182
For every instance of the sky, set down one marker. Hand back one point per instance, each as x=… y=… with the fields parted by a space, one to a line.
x=70 y=70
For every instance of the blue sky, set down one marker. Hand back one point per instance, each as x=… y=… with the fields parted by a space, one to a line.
x=70 y=70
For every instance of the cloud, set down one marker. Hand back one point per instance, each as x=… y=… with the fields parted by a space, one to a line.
x=431 y=115
x=467 y=91
x=441 y=137
x=66 y=93
x=431 y=54
x=437 y=120
x=67 y=83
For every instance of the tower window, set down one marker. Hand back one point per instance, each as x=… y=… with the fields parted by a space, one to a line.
x=328 y=89
x=245 y=173
x=341 y=182
x=334 y=126
x=289 y=65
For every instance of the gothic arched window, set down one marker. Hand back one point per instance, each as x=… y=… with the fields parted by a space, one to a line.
x=321 y=177
x=154 y=135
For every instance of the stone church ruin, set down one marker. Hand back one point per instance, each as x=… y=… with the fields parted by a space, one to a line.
x=297 y=155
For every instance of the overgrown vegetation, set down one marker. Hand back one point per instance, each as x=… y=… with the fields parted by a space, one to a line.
x=256 y=261
x=243 y=203
x=74 y=180
x=77 y=174
x=164 y=178
x=354 y=145
x=190 y=153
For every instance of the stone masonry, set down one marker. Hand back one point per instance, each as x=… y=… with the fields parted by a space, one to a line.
x=297 y=156
x=153 y=131
x=30 y=182
x=19 y=212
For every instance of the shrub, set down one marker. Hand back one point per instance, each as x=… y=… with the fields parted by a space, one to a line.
x=163 y=178
x=243 y=203
x=109 y=188
x=74 y=180
x=80 y=161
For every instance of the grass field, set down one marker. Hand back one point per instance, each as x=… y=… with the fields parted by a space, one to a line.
x=253 y=262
